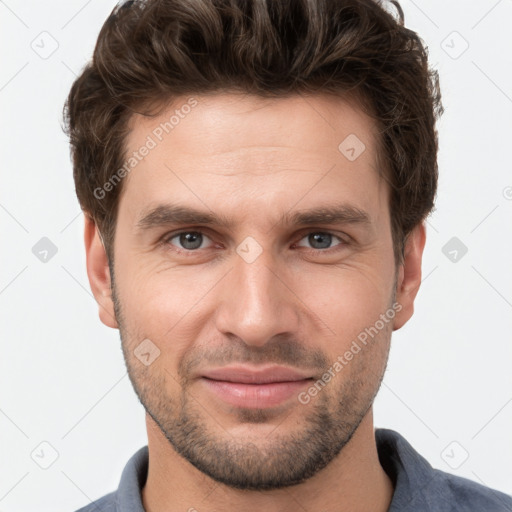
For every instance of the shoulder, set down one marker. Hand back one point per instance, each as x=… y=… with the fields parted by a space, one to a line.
x=419 y=486
x=128 y=494
x=105 y=504
x=458 y=494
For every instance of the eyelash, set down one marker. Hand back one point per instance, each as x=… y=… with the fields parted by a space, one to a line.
x=193 y=252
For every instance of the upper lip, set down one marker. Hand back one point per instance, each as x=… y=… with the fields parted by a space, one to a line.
x=255 y=375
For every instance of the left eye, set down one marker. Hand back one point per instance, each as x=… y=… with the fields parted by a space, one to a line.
x=192 y=240
x=321 y=239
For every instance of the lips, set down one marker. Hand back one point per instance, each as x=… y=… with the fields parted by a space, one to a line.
x=247 y=375
x=253 y=387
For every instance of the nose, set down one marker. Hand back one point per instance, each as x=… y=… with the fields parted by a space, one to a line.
x=257 y=302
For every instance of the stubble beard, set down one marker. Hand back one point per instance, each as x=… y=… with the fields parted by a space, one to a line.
x=285 y=457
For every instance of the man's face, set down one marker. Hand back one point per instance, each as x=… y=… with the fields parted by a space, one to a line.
x=247 y=316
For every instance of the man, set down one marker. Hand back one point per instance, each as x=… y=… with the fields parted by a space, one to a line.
x=255 y=178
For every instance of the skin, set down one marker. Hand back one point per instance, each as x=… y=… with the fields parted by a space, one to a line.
x=299 y=303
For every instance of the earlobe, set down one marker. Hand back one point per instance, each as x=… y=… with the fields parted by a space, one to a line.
x=409 y=275
x=99 y=273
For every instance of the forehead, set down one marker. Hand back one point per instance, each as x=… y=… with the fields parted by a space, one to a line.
x=223 y=146
x=206 y=123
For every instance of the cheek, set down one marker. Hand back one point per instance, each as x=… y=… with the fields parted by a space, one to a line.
x=165 y=306
x=347 y=300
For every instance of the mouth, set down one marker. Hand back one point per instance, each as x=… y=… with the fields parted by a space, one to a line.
x=255 y=388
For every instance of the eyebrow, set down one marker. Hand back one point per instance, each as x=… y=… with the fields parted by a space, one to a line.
x=166 y=214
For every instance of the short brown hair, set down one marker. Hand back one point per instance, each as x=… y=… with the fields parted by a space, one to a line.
x=149 y=52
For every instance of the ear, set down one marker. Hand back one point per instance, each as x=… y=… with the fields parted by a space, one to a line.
x=99 y=273
x=409 y=275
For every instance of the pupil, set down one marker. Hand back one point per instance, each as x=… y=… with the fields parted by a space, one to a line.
x=323 y=238
x=191 y=240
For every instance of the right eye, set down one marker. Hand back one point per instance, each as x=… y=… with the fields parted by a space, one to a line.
x=188 y=240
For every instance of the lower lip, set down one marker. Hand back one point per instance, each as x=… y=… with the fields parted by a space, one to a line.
x=255 y=396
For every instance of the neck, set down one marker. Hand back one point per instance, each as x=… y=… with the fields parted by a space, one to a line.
x=354 y=481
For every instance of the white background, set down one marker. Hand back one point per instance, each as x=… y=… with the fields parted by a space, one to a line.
x=62 y=374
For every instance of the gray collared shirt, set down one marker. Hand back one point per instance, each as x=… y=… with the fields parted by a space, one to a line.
x=418 y=486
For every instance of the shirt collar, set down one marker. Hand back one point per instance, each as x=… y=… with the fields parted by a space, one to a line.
x=133 y=479
x=410 y=473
